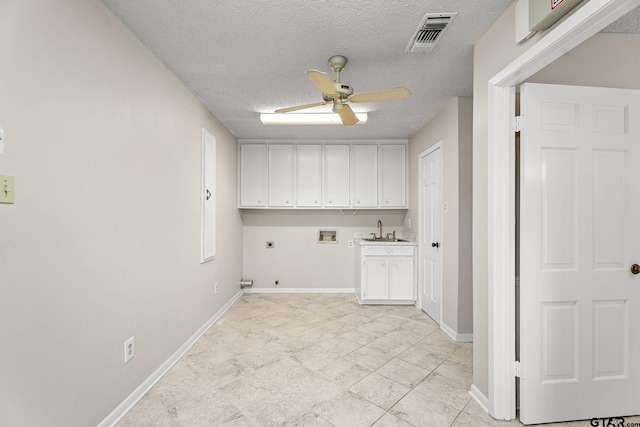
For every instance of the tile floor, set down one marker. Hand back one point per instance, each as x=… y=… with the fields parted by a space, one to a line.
x=318 y=360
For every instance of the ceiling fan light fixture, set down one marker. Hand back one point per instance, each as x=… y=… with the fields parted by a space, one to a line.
x=307 y=118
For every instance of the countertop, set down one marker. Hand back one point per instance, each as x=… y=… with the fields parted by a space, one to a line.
x=363 y=242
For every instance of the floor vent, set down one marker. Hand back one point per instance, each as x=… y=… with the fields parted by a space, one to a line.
x=430 y=31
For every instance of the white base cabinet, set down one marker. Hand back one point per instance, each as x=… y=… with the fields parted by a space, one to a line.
x=385 y=274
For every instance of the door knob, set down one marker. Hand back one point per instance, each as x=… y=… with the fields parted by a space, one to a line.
x=635 y=268
x=435 y=245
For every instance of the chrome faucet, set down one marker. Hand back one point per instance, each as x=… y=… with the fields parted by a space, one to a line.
x=380 y=228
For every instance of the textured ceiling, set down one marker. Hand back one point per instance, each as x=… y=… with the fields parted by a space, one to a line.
x=244 y=57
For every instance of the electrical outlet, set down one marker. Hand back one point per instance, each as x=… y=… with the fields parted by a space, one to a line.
x=350 y=243
x=270 y=244
x=129 y=349
x=6 y=189
x=215 y=291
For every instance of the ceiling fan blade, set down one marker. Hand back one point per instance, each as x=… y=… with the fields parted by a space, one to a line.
x=381 y=95
x=347 y=116
x=323 y=82
x=299 y=107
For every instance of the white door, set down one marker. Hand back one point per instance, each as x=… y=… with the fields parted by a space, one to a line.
x=580 y=235
x=309 y=176
x=429 y=230
x=280 y=175
x=401 y=278
x=335 y=178
x=253 y=175
x=208 y=196
x=364 y=176
x=376 y=277
x=393 y=175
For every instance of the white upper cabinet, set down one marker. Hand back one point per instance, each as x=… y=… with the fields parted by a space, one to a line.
x=309 y=176
x=364 y=176
x=323 y=175
x=253 y=175
x=336 y=176
x=280 y=175
x=392 y=180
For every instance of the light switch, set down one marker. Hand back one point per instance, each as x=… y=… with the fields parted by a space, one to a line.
x=6 y=189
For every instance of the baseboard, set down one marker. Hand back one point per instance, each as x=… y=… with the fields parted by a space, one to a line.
x=480 y=398
x=122 y=409
x=298 y=290
x=454 y=335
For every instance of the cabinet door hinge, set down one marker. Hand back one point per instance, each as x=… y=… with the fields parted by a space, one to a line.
x=517 y=124
x=517 y=369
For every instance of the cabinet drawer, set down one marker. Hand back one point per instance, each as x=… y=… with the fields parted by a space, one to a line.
x=388 y=250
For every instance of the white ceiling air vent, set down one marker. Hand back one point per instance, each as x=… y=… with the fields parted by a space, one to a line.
x=430 y=31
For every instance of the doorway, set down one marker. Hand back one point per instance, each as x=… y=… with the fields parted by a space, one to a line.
x=430 y=226
x=585 y=22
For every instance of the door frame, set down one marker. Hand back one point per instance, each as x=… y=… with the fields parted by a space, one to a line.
x=585 y=22
x=425 y=153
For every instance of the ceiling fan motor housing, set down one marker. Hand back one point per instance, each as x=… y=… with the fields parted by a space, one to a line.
x=344 y=90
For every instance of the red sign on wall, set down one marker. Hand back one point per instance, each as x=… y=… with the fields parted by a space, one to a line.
x=555 y=3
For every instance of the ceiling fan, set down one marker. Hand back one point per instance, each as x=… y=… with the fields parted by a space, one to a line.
x=341 y=94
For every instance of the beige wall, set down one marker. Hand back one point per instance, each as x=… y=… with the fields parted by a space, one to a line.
x=452 y=126
x=297 y=260
x=495 y=49
x=103 y=240
x=605 y=60
x=600 y=61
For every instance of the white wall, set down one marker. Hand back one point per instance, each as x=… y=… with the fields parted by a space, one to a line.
x=103 y=240
x=604 y=60
x=297 y=260
x=452 y=126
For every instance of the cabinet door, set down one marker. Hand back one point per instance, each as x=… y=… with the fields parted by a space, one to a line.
x=335 y=176
x=393 y=163
x=309 y=176
x=280 y=175
x=401 y=278
x=253 y=177
x=376 y=278
x=364 y=176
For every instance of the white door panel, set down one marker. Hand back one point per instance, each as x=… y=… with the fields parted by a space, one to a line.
x=336 y=176
x=377 y=278
x=364 y=176
x=280 y=175
x=253 y=175
x=309 y=176
x=580 y=304
x=401 y=282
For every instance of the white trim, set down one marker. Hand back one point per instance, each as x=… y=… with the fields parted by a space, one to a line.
x=299 y=290
x=480 y=398
x=325 y=141
x=586 y=21
x=123 y=408
x=454 y=335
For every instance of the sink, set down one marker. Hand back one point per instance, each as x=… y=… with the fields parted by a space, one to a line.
x=383 y=239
